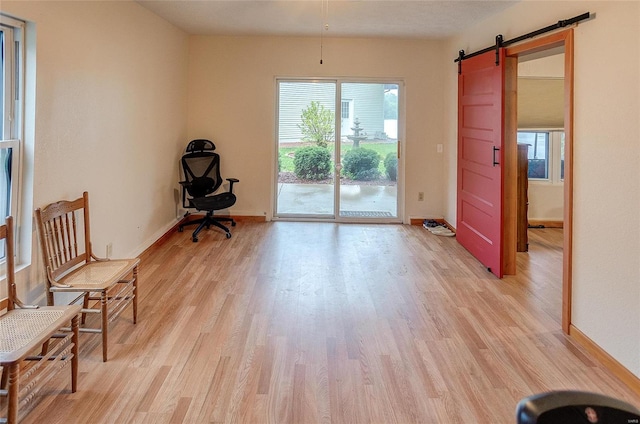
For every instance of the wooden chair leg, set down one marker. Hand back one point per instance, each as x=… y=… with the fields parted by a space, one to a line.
x=74 y=352
x=49 y=298
x=4 y=379
x=12 y=407
x=45 y=348
x=85 y=305
x=105 y=323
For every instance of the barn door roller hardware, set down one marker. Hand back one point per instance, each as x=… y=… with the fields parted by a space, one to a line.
x=501 y=43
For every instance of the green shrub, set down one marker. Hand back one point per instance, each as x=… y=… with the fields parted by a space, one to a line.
x=312 y=163
x=361 y=164
x=391 y=165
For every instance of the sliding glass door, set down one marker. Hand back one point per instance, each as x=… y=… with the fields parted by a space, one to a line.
x=369 y=151
x=306 y=148
x=337 y=150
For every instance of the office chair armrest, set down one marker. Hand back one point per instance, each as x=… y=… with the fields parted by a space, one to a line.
x=185 y=185
x=231 y=182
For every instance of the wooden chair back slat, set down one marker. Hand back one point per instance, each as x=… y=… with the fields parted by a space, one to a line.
x=60 y=241
x=57 y=255
x=57 y=249
x=72 y=235
x=66 y=243
x=52 y=260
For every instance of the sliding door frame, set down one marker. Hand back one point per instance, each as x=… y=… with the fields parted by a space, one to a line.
x=335 y=217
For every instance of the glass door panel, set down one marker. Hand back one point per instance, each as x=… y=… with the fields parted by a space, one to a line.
x=369 y=151
x=306 y=127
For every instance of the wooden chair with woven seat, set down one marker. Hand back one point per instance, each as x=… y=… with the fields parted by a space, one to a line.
x=35 y=342
x=105 y=286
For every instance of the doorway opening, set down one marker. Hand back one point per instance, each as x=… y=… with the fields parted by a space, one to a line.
x=541 y=138
x=544 y=47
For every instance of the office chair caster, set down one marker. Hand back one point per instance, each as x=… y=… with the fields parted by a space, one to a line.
x=228 y=235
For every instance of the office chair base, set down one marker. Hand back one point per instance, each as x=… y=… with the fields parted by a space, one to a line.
x=207 y=222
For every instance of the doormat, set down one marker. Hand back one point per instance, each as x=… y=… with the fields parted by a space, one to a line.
x=365 y=214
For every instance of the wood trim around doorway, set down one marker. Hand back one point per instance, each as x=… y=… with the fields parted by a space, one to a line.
x=559 y=39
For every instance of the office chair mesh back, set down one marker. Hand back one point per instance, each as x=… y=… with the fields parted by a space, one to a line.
x=202 y=170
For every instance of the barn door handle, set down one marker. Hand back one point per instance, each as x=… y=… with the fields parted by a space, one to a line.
x=495 y=149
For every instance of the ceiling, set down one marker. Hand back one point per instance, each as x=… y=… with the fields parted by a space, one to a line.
x=333 y=18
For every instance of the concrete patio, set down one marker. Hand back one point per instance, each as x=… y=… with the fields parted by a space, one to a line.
x=364 y=201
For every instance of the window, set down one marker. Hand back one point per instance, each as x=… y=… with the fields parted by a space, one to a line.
x=538 y=153
x=345 y=110
x=545 y=154
x=11 y=103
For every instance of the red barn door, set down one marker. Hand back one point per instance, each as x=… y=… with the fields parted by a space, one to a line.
x=480 y=156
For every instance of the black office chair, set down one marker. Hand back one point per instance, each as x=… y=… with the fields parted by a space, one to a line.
x=573 y=407
x=201 y=168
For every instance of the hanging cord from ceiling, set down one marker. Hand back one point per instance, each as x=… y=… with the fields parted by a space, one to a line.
x=324 y=18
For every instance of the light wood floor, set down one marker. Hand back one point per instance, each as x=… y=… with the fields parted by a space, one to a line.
x=317 y=322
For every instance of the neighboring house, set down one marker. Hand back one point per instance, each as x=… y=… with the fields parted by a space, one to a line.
x=362 y=101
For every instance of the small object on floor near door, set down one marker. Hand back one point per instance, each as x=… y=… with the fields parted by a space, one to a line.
x=437 y=228
x=429 y=223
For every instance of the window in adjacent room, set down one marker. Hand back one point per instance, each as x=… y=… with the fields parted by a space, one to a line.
x=545 y=154
x=11 y=98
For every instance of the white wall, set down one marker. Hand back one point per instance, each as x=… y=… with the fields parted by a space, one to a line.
x=606 y=250
x=110 y=118
x=542 y=66
x=232 y=89
x=546 y=201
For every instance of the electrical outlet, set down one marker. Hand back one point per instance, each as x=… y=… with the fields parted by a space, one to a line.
x=439 y=148
x=109 y=250
x=420 y=196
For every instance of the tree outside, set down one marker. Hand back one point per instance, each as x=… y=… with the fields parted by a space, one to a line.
x=317 y=124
